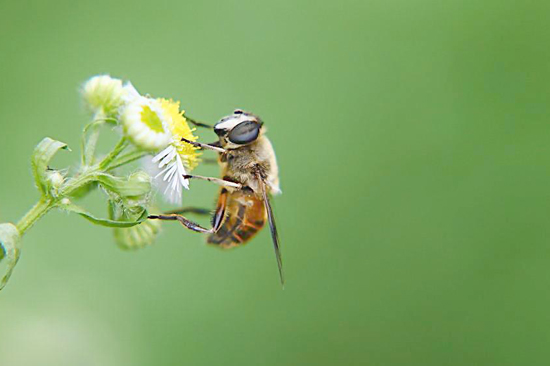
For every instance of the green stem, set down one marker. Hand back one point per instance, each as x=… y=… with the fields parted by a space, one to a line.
x=77 y=182
x=88 y=145
x=120 y=146
x=89 y=174
x=91 y=131
x=127 y=158
x=34 y=214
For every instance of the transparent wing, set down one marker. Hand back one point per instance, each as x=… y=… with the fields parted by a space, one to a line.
x=273 y=228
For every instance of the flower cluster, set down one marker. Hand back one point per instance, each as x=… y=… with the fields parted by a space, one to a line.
x=152 y=129
x=154 y=125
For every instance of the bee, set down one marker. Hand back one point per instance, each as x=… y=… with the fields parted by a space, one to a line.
x=250 y=175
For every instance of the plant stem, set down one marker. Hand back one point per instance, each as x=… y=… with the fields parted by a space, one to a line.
x=88 y=145
x=35 y=213
x=75 y=183
x=120 y=146
x=127 y=158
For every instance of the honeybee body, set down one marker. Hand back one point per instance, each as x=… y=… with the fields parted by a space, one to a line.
x=245 y=211
x=249 y=176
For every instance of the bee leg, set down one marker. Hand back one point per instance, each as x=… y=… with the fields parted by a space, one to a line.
x=217 y=219
x=221 y=182
x=198 y=124
x=204 y=146
x=185 y=222
x=219 y=214
x=193 y=210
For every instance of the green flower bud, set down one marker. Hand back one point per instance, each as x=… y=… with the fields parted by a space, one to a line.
x=55 y=180
x=137 y=236
x=103 y=94
x=9 y=249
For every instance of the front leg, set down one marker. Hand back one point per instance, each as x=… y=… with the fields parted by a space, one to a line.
x=205 y=146
x=221 y=182
x=199 y=124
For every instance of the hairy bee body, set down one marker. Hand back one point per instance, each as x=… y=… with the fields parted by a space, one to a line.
x=245 y=211
x=249 y=176
x=241 y=165
x=245 y=217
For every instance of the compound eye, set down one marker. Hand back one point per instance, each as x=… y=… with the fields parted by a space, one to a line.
x=244 y=132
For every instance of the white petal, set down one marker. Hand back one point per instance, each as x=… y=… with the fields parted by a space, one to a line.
x=162 y=154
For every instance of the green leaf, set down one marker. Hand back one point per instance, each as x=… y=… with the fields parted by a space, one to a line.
x=136 y=185
x=71 y=207
x=10 y=249
x=41 y=157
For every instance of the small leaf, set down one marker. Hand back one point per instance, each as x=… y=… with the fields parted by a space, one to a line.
x=135 y=186
x=41 y=157
x=69 y=206
x=9 y=247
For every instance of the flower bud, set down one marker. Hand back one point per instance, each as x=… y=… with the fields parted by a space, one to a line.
x=103 y=93
x=9 y=249
x=55 y=180
x=137 y=236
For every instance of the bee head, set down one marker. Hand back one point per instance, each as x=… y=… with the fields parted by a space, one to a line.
x=239 y=129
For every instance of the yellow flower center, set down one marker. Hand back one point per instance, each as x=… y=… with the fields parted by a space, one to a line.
x=151 y=119
x=179 y=128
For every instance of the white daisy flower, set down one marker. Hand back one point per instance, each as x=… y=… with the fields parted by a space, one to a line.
x=178 y=158
x=158 y=125
x=145 y=123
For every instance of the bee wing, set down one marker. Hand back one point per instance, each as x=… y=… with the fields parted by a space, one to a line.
x=273 y=228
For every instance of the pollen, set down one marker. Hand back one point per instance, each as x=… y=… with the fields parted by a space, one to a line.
x=179 y=129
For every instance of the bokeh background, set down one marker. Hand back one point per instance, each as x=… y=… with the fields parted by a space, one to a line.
x=413 y=141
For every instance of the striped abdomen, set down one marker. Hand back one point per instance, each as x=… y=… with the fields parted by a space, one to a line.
x=243 y=217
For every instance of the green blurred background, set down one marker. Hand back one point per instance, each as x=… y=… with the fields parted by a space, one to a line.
x=412 y=138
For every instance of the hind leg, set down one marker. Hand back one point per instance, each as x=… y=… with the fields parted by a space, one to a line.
x=184 y=221
x=217 y=219
x=193 y=210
